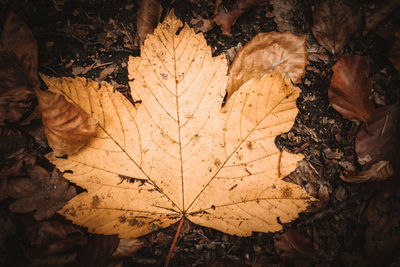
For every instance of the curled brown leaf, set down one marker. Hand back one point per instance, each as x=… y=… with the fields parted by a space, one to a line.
x=148 y=16
x=268 y=52
x=334 y=24
x=377 y=172
x=67 y=127
x=350 y=88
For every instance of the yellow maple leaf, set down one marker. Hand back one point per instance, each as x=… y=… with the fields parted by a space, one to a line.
x=178 y=153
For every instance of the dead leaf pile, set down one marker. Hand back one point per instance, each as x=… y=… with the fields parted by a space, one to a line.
x=151 y=164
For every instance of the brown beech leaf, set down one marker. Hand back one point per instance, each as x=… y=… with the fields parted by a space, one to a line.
x=294 y=246
x=39 y=192
x=148 y=16
x=395 y=53
x=18 y=69
x=226 y=19
x=268 y=52
x=334 y=23
x=350 y=88
x=377 y=139
x=67 y=126
x=178 y=153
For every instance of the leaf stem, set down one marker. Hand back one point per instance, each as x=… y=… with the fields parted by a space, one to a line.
x=171 y=249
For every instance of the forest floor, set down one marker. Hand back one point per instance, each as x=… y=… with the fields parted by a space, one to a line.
x=353 y=225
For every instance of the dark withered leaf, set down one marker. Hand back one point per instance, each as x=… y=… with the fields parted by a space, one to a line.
x=350 y=88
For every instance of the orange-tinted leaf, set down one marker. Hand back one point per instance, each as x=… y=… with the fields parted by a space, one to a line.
x=334 y=24
x=295 y=246
x=226 y=19
x=148 y=16
x=350 y=88
x=40 y=192
x=268 y=52
x=377 y=140
x=67 y=126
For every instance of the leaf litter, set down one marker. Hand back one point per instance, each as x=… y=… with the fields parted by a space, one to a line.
x=338 y=228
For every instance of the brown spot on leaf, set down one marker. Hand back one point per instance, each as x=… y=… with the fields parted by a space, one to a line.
x=249 y=145
x=217 y=163
x=286 y=192
x=95 y=202
x=122 y=219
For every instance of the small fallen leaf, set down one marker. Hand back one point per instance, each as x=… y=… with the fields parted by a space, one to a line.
x=294 y=246
x=226 y=19
x=383 y=10
x=148 y=16
x=67 y=126
x=39 y=192
x=377 y=139
x=268 y=52
x=159 y=161
x=350 y=88
x=201 y=24
x=377 y=172
x=334 y=23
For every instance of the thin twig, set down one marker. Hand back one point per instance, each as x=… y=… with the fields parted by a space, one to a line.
x=171 y=249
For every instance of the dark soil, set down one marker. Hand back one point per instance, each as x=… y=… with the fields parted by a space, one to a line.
x=80 y=33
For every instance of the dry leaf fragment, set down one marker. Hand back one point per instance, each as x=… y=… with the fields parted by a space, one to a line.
x=127 y=247
x=39 y=192
x=226 y=19
x=295 y=246
x=285 y=13
x=377 y=139
x=268 y=52
x=334 y=24
x=154 y=163
x=350 y=88
x=67 y=126
x=148 y=16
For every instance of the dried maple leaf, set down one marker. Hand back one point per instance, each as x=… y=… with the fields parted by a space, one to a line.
x=148 y=16
x=39 y=192
x=67 y=126
x=268 y=52
x=334 y=24
x=350 y=88
x=226 y=19
x=177 y=154
x=18 y=69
